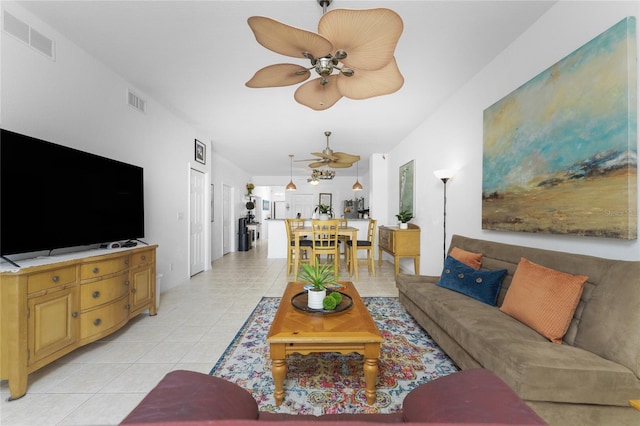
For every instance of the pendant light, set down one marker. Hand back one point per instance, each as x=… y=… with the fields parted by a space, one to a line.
x=291 y=186
x=357 y=186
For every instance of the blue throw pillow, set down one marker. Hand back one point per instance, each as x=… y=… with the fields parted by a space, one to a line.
x=483 y=285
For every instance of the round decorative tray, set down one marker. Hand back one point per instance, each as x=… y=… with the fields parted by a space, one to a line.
x=299 y=301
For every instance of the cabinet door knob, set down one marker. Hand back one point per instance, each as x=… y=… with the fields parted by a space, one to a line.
x=126 y=262
x=96 y=294
x=55 y=278
x=127 y=306
x=74 y=314
x=96 y=270
x=126 y=282
x=144 y=257
x=133 y=290
x=97 y=322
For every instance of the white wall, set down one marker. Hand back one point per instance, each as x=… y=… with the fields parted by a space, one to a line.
x=76 y=101
x=452 y=137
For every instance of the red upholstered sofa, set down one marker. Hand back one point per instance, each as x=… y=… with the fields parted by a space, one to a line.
x=475 y=396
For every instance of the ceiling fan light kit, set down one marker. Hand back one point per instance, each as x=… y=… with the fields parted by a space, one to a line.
x=322 y=174
x=352 y=53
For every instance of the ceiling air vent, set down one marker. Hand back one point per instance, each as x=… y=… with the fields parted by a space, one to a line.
x=23 y=32
x=136 y=101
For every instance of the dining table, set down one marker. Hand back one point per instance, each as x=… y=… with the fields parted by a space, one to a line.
x=307 y=231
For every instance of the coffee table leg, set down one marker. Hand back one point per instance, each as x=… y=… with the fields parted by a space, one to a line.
x=370 y=377
x=279 y=372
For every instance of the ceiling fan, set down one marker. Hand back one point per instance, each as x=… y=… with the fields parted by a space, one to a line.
x=336 y=160
x=353 y=54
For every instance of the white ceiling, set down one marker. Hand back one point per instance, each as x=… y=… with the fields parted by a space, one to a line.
x=195 y=56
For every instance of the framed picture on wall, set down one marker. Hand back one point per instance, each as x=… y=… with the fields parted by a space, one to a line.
x=201 y=152
x=265 y=204
x=325 y=198
x=406 y=189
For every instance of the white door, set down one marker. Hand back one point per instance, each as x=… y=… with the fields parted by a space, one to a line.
x=226 y=219
x=196 y=222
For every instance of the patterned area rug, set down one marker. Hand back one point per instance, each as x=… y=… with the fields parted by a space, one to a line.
x=333 y=383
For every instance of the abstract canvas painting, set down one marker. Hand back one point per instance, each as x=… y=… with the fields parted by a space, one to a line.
x=560 y=152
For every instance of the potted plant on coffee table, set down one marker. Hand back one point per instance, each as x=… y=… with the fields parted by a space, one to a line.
x=318 y=275
x=404 y=216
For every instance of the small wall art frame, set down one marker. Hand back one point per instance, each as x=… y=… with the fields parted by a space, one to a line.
x=200 y=152
x=406 y=190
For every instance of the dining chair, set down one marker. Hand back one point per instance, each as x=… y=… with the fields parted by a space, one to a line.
x=325 y=241
x=304 y=246
x=342 y=239
x=368 y=245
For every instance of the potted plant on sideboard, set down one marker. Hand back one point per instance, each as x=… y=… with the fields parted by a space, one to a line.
x=404 y=216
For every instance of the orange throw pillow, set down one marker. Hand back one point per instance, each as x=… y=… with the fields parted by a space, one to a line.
x=543 y=298
x=471 y=259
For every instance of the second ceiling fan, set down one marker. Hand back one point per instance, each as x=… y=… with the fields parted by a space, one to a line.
x=357 y=44
x=336 y=160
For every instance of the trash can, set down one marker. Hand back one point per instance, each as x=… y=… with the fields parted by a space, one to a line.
x=244 y=241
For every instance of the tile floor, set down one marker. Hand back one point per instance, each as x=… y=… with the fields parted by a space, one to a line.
x=99 y=384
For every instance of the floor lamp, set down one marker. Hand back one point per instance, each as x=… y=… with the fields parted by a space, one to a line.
x=444 y=176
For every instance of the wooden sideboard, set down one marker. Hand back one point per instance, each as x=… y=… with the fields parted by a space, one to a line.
x=49 y=310
x=400 y=243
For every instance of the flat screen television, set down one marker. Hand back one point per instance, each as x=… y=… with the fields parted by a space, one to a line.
x=52 y=197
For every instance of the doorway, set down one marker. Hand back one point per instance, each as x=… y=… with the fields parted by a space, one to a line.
x=226 y=219
x=196 y=222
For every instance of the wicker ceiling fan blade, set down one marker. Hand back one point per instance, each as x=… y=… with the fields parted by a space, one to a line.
x=338 y=165
x=278 y=75
x=287 y=40
x=367 y=84
x=343 y=157
x=368 y=36
x=318 y=96
x=317 y=164
x=304 y=161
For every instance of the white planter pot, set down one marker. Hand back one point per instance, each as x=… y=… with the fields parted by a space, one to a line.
x=404 y=225
x=314 y=298
x=324 y=216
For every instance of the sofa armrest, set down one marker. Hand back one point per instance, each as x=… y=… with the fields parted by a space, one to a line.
x=190 y=396
x=469 y=396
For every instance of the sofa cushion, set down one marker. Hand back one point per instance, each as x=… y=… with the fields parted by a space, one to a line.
x=481 y=285
x=467 y=257
x=543 y=298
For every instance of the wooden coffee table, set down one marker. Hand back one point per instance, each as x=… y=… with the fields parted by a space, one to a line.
x=295 y=331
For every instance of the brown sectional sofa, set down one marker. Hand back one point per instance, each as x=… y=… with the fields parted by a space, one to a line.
x=588 y=379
